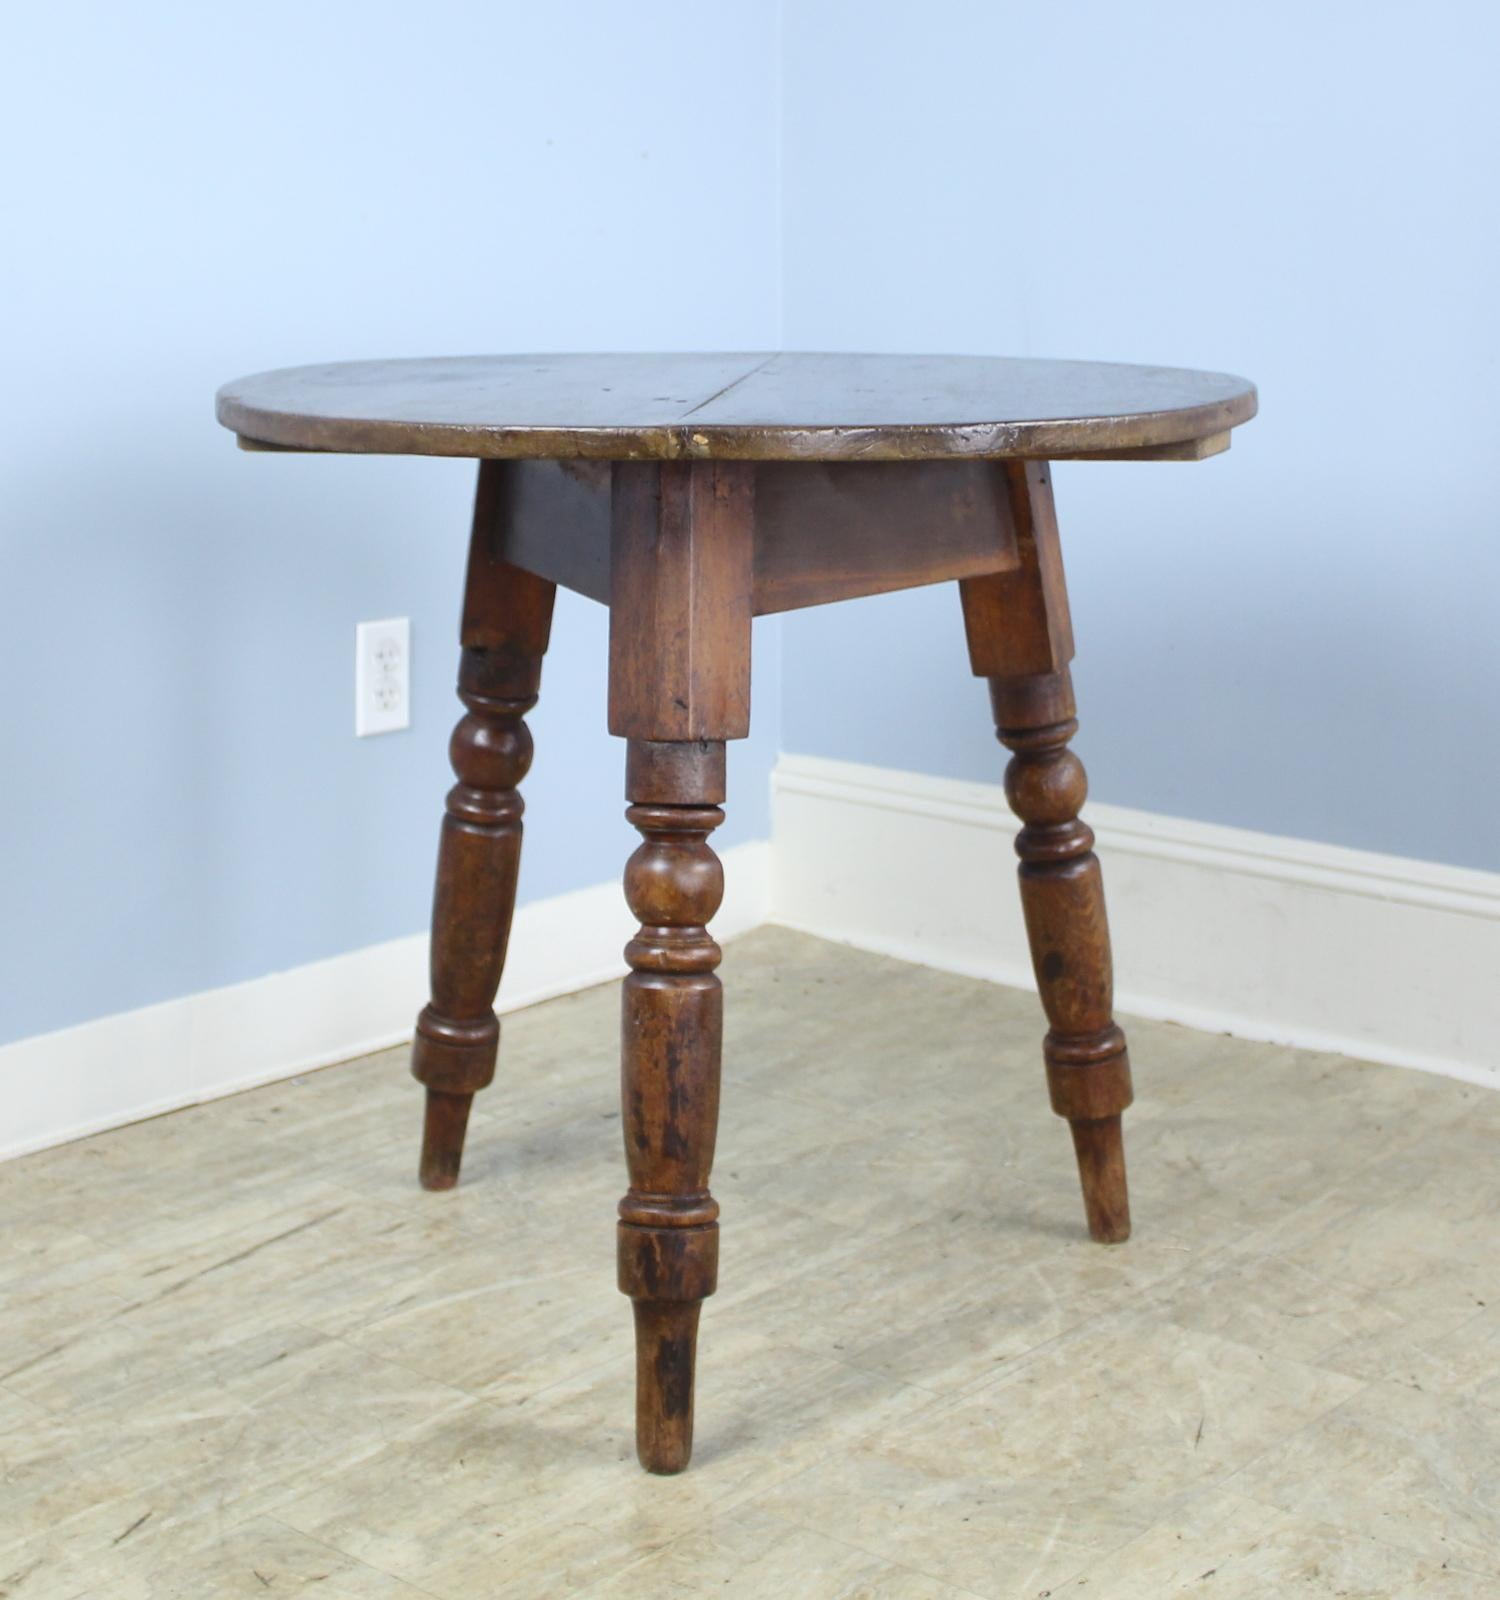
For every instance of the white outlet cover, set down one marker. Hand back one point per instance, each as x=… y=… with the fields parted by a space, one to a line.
x=382 y=676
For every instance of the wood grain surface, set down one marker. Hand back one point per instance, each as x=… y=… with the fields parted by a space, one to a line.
x=750 y=407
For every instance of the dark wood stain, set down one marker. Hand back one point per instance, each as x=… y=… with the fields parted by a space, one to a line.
x=672 y=1018
x=822 y=531
x=794 y=406
x=1021 y=638
x=681 y=542
x=828 y=531
x=507 y=619
x=688 y=494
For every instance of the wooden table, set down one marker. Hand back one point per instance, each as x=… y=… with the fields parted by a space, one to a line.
x=690 y=493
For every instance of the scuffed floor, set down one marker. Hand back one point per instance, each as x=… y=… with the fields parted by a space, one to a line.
x=242 y=1354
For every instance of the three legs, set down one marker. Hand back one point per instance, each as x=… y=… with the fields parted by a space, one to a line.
x=1020 y=638
x=681 y=588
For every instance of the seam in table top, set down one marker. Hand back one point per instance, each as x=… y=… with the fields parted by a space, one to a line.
x=733 y=383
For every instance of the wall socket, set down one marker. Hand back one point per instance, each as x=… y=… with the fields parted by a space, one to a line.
x=382 y=676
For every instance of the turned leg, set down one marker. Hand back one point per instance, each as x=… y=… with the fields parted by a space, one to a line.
x=506 y=617
x=679 y=686
x=479 y=854
x=1062 y=897
x=671 y=1028
x=1020 y=638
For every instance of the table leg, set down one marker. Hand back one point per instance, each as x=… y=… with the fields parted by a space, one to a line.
x=1020 y=638
x=507 y=614
x=671 y=1032
x=1062 y=896
x=681 y=537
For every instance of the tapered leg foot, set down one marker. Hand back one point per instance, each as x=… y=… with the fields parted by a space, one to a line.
x=666 y=1347
x=1100 y=1147
x=443 y=1128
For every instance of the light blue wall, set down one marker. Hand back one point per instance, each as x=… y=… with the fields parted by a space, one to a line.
x=1299 y=637
x=195 y=191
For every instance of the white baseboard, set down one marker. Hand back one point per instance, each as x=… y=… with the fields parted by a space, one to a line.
x=64 y=1085
x=1373 y=956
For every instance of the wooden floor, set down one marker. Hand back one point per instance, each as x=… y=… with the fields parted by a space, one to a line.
x=242 y=1354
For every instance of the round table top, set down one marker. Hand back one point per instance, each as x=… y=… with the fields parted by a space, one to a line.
x=786 y=407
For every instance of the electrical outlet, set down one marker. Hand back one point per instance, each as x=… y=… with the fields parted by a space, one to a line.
x=382 y=676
